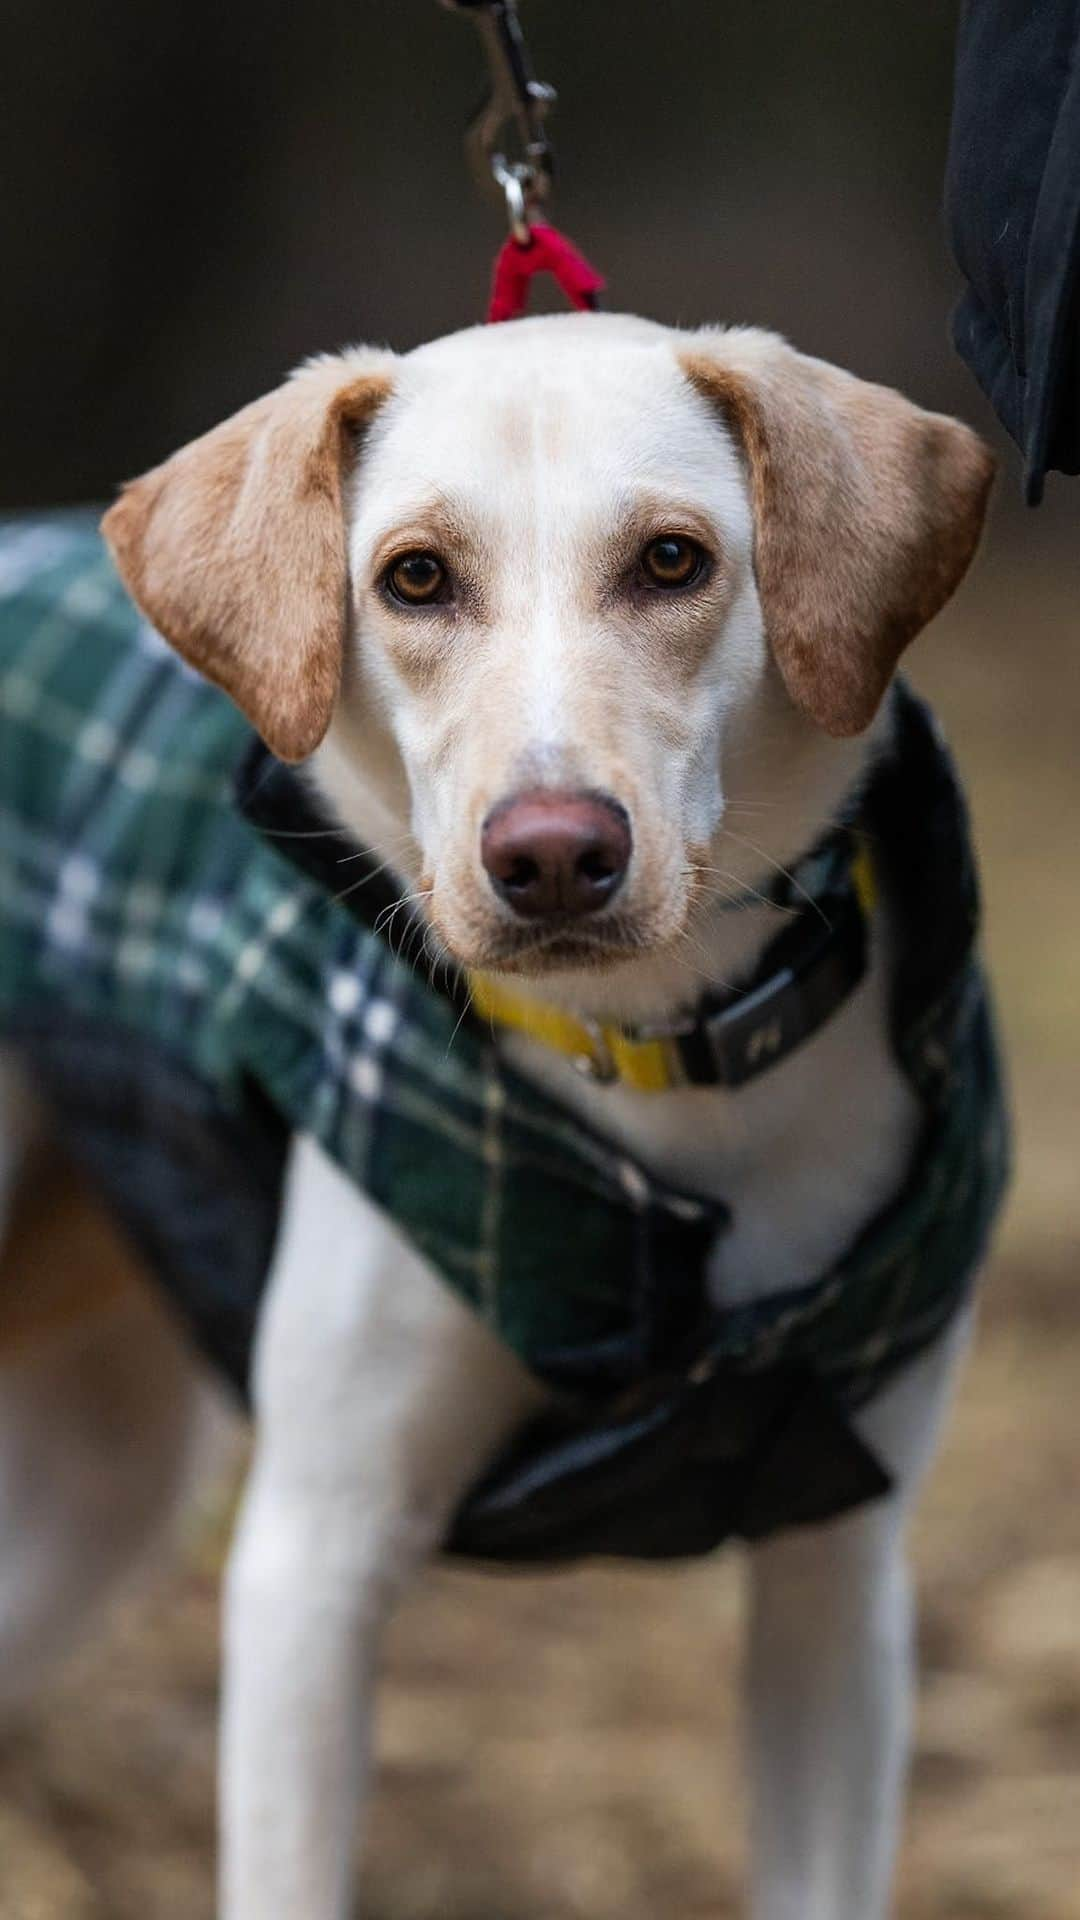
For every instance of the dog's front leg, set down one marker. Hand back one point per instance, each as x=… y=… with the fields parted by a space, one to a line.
x=830 y=1668
x=379 y=1397
x=829 y=1674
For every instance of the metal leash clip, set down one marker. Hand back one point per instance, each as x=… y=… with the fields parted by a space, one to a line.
x=516 y=101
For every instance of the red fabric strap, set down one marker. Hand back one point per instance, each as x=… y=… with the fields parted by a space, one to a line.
x=546 y=251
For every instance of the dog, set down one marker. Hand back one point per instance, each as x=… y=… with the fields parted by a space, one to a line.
x=582 y=633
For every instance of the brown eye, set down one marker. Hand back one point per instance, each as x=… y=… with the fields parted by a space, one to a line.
x=417 y=579
x=672 y=561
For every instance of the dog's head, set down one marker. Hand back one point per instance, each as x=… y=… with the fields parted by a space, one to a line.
x=543 y=592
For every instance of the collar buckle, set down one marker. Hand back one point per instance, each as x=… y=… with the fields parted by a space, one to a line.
x=599 y=1065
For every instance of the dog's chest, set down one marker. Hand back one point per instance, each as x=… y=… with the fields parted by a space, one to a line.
x=803 y=1156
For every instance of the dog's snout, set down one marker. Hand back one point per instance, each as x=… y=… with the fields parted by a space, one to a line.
x=552 y=854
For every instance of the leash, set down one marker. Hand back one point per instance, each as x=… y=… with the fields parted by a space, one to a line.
x=518 y=104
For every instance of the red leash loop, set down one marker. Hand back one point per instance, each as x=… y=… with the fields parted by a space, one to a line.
x=546 y=251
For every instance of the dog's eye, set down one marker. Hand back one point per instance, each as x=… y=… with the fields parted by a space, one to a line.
x=416 y=579
x=672 y=561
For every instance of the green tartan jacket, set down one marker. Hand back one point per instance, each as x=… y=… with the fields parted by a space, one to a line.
x=192 y=1000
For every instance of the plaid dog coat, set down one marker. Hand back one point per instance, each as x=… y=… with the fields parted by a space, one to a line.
x=190 y=999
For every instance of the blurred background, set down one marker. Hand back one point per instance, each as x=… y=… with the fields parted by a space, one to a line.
x=196 y=196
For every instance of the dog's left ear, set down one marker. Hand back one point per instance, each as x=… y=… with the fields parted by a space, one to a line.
x=867 y=512
x=236 y=547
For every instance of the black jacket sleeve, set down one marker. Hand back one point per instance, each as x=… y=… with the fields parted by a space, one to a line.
x=1012 y=197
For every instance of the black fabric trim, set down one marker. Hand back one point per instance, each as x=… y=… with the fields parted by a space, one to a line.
x=916 y=818
x=701 y=1461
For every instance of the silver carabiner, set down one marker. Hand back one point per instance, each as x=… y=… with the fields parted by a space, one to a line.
x=517 y=204
x=516 y=101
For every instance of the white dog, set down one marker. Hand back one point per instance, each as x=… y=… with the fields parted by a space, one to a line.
x=584 y=628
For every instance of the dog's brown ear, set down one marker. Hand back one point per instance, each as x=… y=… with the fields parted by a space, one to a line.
x=867 y=512
x=236 y=548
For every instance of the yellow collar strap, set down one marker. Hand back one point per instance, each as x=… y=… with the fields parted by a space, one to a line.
x=804 y=976
x=601 y=1053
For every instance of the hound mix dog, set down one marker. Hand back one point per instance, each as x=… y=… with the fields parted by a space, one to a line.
x=584 y=630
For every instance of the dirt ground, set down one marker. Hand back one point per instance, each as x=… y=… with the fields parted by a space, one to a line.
x=566 y=1746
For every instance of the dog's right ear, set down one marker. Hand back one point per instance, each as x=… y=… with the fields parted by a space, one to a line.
x=235 y=548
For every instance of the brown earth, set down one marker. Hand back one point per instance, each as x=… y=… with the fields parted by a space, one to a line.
x=566 y=1746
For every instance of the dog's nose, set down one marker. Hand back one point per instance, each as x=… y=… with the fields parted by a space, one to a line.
x=550 y=854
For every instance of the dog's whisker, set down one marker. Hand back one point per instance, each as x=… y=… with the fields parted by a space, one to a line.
x=404 y=843
x=357 y=885
x=462 y=1016
x=412 y=917
x=384 y=921
x=384 y=926
x=687 y=939
x=438 y=960
x=305 y=833
x=785 y=871
x=733 y=891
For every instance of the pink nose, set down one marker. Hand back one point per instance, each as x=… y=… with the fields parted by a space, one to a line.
x=554 y=855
